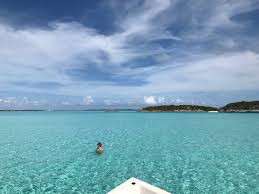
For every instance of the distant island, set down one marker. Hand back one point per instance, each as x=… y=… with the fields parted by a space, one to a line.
x=243 y=106
x=252 y=106
x=179 y=108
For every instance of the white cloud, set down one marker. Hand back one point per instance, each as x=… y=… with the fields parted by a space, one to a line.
x=230 y=72
x=140 y=22
x=88 y=100
x=10 y=100
x=32 y=54
x=25 y=101
x=161 y=100
x=155 y=100
x=54 y=51
x=208 y=18
x=150 y=100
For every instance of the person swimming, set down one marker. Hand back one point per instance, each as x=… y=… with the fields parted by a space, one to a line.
x=99 y=148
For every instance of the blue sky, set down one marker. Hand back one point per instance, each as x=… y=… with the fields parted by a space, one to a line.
x=113 y=54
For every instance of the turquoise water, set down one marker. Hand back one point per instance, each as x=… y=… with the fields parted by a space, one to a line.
x=54 y=152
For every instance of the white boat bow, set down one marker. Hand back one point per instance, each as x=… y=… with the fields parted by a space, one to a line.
x=136 y=186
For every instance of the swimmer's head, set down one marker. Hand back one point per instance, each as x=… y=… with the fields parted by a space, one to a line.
x=99 y=144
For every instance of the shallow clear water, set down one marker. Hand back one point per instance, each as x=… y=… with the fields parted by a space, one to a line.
x=54 y=152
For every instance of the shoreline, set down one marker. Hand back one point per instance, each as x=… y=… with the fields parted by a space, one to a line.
x=201 y=111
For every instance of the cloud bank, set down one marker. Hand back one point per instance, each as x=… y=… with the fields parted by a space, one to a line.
x=150 y=53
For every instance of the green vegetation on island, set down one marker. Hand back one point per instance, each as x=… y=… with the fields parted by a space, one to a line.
x=243 y=106
x=179 y=108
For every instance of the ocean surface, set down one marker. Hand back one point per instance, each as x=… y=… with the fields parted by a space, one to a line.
x=54 y=152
